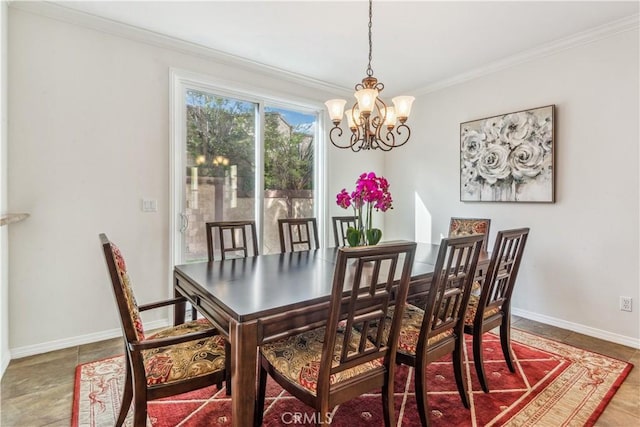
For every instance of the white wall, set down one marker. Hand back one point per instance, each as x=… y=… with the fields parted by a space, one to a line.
x=582 y=254
x=4 y=256
x=88 y=111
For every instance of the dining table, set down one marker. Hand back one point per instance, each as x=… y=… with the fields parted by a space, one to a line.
x=259 y=299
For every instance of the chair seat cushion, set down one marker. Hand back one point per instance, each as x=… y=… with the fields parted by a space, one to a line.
x=470 y=314
x=186 y=360
x=410 y=330
x=298 y=358
x=468 y=226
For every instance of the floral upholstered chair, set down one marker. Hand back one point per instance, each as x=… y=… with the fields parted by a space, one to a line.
x=337 y=362
x=468 y=226
x=492 y=307
x=173 y=361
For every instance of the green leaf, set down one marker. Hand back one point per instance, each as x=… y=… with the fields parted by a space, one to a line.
x=353 y=237
x=374 y=235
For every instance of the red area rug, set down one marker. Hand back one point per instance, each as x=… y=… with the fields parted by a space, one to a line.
x=554 y=384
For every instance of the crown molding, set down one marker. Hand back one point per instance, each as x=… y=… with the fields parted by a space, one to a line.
x=598 y=33
x=71 y=16
x=83 y=19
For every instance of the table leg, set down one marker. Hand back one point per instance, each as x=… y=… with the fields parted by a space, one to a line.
x=179 y=308
x=244 y=351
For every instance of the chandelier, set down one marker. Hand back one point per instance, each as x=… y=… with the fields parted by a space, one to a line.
x=373 y=124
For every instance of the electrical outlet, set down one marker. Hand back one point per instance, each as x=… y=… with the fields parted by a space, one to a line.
x=625 y=303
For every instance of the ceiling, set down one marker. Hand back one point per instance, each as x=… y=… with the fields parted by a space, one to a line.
x=416 y=44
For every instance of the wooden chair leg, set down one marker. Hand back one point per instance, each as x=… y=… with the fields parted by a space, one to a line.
x=262 y=391
x=505 y=341
x=388 y=409
x=324 y=413
x=139 y=410
x=478 y=359
x=421 y=394
x=127 y=395
x=459 y=371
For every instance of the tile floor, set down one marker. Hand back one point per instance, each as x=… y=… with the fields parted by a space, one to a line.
x=38 y=390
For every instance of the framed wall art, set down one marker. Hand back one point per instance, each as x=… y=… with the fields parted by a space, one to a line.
x=509 y=158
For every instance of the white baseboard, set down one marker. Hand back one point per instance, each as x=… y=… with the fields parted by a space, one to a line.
x=31 y=350
x=6 y=358
x=576 y=327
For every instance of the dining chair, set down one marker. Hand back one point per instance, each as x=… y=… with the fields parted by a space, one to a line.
x=430 y=332
x=298 y=234
x=237 y=239
x=492 y=307
x=467 y=226
x=173 y=361
x=340 y=225
x=336 y=361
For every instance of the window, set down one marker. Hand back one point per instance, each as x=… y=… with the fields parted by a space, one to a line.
x=288 y=170
x=240 y=157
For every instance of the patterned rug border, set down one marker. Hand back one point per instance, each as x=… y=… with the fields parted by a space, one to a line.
x=523 y=331
x=75 y=408
x=516 y=415
x=606 y=399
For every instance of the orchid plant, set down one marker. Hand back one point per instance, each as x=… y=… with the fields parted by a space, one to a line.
x=371 y=192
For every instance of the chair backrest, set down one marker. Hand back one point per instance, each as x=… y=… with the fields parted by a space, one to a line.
x=127 y=306
x=502 y=271
x=232 y=239
x=340 y=225
x=467 y=226
x=298 y=234
x=363 y=285
x=450 y=287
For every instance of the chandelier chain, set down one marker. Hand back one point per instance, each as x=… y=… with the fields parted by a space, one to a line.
x=369 y=69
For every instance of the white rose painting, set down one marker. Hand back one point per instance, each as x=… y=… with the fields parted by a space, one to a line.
x=508 y=158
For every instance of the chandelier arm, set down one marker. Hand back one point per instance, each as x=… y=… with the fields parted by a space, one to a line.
x=352 y=111
x=376 y=125
x=356 y=143
x=378 y=121
x=386 y=140
x=380 y=106
x=384 y=146
x=399 y=131
x=336 y=132
x=380 y=141
x=364 y=134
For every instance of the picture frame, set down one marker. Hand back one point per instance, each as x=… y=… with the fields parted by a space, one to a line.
x=509 y=157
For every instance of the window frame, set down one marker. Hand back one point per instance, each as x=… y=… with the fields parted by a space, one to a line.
x=181 y=81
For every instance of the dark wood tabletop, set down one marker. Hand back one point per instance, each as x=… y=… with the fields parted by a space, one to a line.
x=259 y=299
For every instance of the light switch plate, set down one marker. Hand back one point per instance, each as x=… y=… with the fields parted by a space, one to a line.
x=149 y=205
